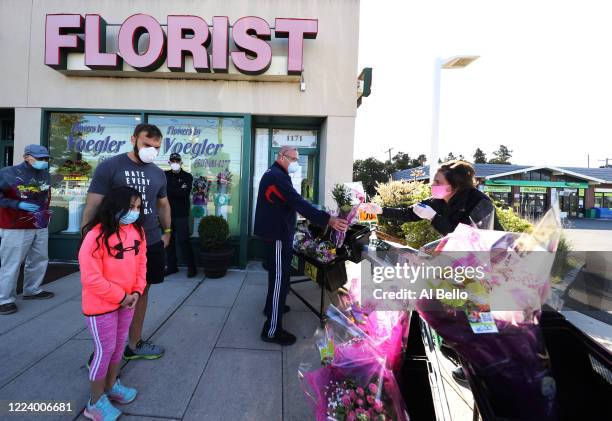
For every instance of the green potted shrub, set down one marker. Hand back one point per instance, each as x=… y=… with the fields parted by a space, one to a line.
x=215 y=252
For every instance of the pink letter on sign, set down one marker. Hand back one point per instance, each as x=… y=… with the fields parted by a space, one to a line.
x=60 y=39
x=296 y=30
x=220 y=44
x=129 y=35
x=249 y=35
x=178 y=45
x=95 y=45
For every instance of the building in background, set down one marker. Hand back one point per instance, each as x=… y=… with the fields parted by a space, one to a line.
x=78 y=76
x=530 y=190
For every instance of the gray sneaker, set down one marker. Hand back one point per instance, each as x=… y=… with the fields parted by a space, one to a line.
x=145 y=350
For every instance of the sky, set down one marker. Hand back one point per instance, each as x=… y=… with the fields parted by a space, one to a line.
x=542 y=85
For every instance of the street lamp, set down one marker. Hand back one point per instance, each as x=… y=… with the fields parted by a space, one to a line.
x=458 y=62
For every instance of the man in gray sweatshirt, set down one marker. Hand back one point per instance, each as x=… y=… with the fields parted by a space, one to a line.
x=25 y=193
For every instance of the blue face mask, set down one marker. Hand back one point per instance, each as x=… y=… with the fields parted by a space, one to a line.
x=129 y=218
x=40 y=165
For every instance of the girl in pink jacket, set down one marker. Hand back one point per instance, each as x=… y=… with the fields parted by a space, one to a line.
x=113 y=262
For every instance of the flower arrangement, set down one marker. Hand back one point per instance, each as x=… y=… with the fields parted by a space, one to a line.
x=348 y=202
x=348 y=401
x=75 y=168
x=355 y=388
x=224 y=179
x=511 y=357
x=201 y=188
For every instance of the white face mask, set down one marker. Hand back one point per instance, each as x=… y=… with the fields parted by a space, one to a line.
x=147 y=155
x=175 y=167
x=293 y=167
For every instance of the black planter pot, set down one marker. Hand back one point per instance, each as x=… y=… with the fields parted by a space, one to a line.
x=216 y=263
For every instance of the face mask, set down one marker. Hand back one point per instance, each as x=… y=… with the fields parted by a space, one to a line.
x=175 y=167
x=440 y=192
x=40 y=165
x=129 y=218
x=293 y=167
x=147 y=155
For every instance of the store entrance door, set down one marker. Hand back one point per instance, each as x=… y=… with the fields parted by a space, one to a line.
x=568 y=202
x=533 y=205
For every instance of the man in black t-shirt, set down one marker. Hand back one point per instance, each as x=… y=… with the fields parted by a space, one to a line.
x=137 y=169
x=179 y=188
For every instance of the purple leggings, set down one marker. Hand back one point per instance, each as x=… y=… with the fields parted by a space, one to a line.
x=109 y=332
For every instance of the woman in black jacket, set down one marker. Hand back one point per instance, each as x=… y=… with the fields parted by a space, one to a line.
x=454 y=200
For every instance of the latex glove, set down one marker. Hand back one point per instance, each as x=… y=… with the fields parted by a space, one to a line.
x=424 y=211
x=28 y=207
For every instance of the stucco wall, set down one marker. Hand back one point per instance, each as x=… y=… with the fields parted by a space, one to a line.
x=330 y=71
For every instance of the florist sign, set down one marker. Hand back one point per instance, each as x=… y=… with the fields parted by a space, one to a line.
x=184 y=35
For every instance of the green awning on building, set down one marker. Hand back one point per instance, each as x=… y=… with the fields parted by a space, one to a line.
x=529 y=183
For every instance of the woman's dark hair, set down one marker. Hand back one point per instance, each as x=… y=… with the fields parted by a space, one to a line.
x=115 y=205
x=459 y=174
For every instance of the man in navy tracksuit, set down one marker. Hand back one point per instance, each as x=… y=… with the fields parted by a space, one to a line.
x=275 y=219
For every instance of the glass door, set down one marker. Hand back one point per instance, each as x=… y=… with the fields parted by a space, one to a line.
x=533 y=205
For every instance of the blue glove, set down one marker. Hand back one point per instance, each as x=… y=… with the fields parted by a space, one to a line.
x=28 y=207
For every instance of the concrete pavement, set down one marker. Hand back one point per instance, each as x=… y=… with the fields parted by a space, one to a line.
x=215 y=367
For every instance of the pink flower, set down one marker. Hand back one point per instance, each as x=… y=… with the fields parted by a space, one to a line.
x=351 y=416
x=346 y=400
x=371 y=399
x=373 y=388
x=378 y=407
x=360 y=391
x=352 y=395
x=360 y=402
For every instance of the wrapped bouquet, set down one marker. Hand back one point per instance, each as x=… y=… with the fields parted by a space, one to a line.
x=493 y=326
x=355 y=386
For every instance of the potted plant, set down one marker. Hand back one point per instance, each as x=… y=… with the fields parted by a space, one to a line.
x=215 y=252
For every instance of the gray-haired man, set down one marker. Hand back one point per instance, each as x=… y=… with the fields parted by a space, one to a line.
x=25 y=194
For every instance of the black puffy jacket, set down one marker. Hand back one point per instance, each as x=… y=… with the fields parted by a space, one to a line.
x=469 y=206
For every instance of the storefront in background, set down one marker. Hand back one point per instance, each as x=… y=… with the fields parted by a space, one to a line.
x=532 y=190
x=226 y=105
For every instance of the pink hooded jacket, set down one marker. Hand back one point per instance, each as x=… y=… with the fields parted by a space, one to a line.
x=108 y=278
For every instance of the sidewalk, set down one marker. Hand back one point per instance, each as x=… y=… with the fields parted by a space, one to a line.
x=215 y=367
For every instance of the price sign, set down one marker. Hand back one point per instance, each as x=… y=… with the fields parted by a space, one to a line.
x=367 y=217
x=310 y=270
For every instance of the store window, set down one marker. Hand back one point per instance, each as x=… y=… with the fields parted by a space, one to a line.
x=211 y=149
x=603 y=200
x=77 y=144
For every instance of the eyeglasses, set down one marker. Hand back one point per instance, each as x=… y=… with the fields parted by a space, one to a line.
x=291 y=159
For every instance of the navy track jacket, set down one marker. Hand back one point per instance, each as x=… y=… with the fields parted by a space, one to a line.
x=277 y=204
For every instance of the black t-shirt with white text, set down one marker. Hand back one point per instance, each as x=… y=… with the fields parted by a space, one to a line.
x=148 y=179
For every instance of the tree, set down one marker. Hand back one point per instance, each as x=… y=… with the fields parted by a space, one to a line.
x=502 y=156
x=480 y=157
x=420 y=160
x=401 y=161
x=370 y=171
